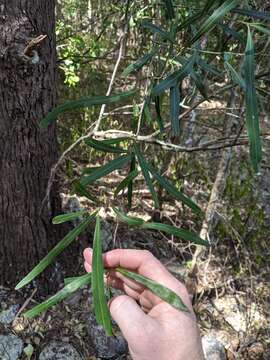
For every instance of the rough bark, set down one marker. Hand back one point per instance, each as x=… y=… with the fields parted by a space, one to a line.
x=28 y=93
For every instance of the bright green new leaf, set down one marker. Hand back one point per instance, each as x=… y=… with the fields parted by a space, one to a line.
x=79 y=189
x=171 y=189
x=68 y=290
x=59 y=219
x=130 y=220
x=103 y=146
x=125 y=182
x=178 y=232
x=99 y=299
x=83 y=102
x=139 y=63
x=146 y=174
x=212 y=20
x=48 y=259
x=157 y=30
x=161 y=291
x=175 y=109
x=106 y=169
x=252 y=118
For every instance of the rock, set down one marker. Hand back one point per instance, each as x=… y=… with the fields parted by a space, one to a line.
x=11 y=347
x=212 y=348
x=57 y=350
x=7 y=316
x=255 y=351
x=107 y=347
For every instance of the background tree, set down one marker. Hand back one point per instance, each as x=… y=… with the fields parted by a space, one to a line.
x=28 y=93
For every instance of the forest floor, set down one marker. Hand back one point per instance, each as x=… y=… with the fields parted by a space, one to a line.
x=232 y=306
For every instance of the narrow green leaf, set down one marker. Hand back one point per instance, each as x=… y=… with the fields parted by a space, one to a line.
x=169 y=9
x=199 y=84
x=171 y=189
x=158 y=112
x=83 y=102
x=236 y=78
x=157 y=30
x=231 y=32
x=130 y=185
x=115 y=141
x=48 y=259
x=59 y=219
x=147 y=113
x=252 y=118
x=208 y=68
x=130 y=220
x=212 y=20
x=175 y=109
x=72 y=286
x=261 y=28
x=105 y=169
x=103 y=146
x=159 y=290
x=253 y=13
x=79 y=189
x=146 y=175
x=125 y=182
x=175 y=77
x=99 y=299
x=172 y=230
x=139 y=63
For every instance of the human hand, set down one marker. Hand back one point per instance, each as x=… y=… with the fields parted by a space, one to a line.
x=154 y=330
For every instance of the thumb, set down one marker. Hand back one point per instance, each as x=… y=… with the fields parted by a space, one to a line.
x=128 y=315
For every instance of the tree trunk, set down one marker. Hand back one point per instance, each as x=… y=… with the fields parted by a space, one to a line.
x=28 y=93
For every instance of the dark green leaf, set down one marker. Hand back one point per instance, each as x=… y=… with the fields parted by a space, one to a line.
x=174 y=78
x=139 y=63
x=171 y=189
x=59 y=219
x=199 y=84
x=157 y=30
x=231 y=32
x=212 y=20
x=253 y=13
x=169 y=9
x=161 y=291
x=73 y=285
x=103 y=146
x=105 y=169
x=252 y=118
x=99 y=299
x=83 y=102
x=130 y=220
x=158 y=112
x=146 y=175
x=175 y=110
x=172 y=230
x=236 y=78
x=79 y=189
x=208 y=68
x=130 y=185
x=125 y=182
x=48 y=259
x=261 y=28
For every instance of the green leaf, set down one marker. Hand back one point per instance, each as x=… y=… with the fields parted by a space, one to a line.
x=261 y=28
x=171 y=189
x=199 y=84
x=139 y=63
x=175 y=77
x=130 y=185
x=157 y=30
x=208 y=68
x=103 y=146
x=158 y=112
x=172 y=230
x=253 y=13
x=59 y=219
x=130 y=220
x=79 y=189
x=175 y=109
x=252 y=118
x=159 y=290
x=83 y=102
x=169 y=9
x=68 y=290
x=125 y=182
x=99 y=299
x=48 y=259
x=212 y=20
x=146 y=175
x=236 y=78
x=106 y=169
x=231 y=32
